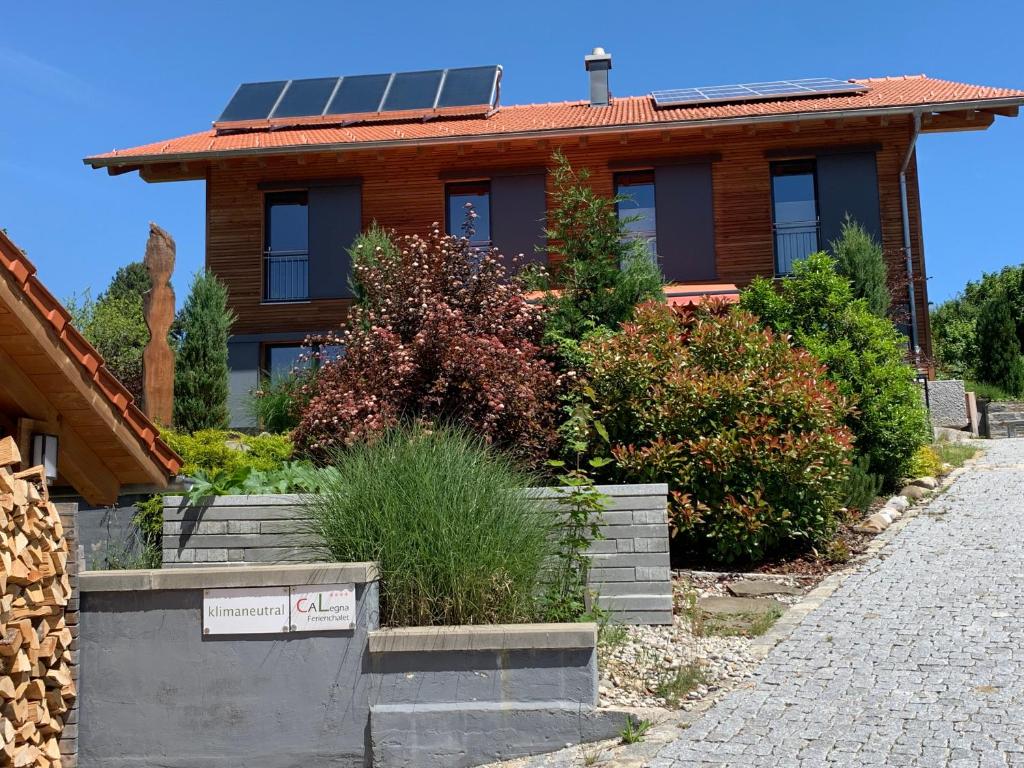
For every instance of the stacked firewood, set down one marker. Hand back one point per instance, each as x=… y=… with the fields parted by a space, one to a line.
x=36 y=684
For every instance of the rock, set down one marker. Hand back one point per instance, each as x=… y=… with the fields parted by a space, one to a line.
x=874 y=524
x=898 y=502
x=883 y=514
x=761 y=587
x=927 y=482
x=894 y=513
x=914 y=492
x=726 y=605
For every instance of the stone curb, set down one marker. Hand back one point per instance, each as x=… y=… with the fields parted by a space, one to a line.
x=494 y=637
x=204 y=577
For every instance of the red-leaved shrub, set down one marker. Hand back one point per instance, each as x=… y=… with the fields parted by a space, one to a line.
x=747 y=431
x=440 y=334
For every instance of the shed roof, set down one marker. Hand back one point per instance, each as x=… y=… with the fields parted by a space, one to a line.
x=52 y=375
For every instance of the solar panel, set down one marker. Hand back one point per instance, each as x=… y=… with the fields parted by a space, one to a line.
x=358 y=93
x=413 y=90
x=253 y=101
x=361 y=94
x=469 y=86
x=305 y=97
x=718 y=94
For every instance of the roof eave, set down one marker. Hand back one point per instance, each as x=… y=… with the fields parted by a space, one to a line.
x=136 y=162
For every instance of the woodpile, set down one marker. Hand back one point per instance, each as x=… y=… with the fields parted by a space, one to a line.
x=37 y=687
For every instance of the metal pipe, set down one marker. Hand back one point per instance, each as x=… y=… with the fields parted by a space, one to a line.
x=905 y=210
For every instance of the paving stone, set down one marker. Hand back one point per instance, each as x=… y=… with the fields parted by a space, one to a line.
x=729 y=605
x=762 y=587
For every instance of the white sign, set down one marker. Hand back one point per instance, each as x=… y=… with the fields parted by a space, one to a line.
x=323 y=607
x=245 y=611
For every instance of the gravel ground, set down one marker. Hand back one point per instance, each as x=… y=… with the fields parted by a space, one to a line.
x=653 y=666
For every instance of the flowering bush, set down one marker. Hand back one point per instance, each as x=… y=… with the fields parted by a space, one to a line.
x=440 y=334
x=746 y=431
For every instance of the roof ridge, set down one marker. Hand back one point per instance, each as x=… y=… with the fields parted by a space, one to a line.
x=890 y=78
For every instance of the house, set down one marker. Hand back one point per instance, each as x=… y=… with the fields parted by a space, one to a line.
x=728 y=182
x=59 y=402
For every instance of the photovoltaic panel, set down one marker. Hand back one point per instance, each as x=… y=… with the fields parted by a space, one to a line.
x=253 y=101
x=468 y=87
x=358 y=93
x=305 y=97
x=363 y=94
x=413 y=90
x=718 y=94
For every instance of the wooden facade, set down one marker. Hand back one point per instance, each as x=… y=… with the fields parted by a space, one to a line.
x=404 y=188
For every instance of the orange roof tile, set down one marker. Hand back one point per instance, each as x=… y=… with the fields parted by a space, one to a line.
x=19 y=270
x=900 y=94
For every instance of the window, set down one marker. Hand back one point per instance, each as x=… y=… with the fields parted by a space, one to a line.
x=636 y=191
x=477 y=194
x=795 y=213
x=279 y=360
x=286 y=247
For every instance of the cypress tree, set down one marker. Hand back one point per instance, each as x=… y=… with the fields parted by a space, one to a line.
x=860 y=260
x=999 y=357
x=201 y=362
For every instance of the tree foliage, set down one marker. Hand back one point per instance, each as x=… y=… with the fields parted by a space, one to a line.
x=600 y=272
x=115 y=324
x=859 y=259
x=440 y=335
x=864 y=355
x=747 y=431
x=998 y=348
x=201 y=362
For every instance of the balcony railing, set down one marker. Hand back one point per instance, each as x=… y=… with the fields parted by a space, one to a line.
x=794 y=240
x=286 y=276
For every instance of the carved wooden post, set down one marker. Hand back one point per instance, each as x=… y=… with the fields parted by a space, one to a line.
x=158 y=359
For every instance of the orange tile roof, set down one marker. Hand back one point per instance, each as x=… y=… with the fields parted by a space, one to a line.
x=899 y=94
x=16 y=267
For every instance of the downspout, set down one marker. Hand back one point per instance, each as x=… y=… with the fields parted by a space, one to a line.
x=914 y=342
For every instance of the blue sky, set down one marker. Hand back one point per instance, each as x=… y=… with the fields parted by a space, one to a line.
x=83 y=78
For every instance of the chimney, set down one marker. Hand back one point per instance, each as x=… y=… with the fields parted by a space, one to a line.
x=598 y=63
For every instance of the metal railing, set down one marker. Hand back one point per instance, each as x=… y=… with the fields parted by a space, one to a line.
x=286 y=276
x=794 y=240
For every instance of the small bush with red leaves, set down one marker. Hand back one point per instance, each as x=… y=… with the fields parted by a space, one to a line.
x=440 y=334
x=747 y=431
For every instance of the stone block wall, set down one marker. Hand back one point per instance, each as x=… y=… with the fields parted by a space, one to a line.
x=630 y=565
x=1003 y=418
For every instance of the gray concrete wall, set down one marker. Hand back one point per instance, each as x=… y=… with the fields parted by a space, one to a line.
x=947 y=403
x=630 y=565
x=154 y=691
x=1003 y=418
x=107 y=535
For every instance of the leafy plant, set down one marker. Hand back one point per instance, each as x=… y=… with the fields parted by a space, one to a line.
x=862 y=485
x=290 y=477
x=864 y=355
x=987 y=391
x=581 y=505
x=277 y=404
x=859 y=259
x=746 y=431
x=999 y=350
x=926 y=463
x=210 y=450
x=456 y=539
x=441 y=336
x=599 y=272
x=201 y=363
x=634 y=730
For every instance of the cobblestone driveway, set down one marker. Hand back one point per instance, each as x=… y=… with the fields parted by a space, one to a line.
x=916 y=660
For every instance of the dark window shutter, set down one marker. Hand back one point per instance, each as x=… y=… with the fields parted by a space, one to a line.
x=518 y=216
x=847 y=183
x=685 y=218
x=335 y=219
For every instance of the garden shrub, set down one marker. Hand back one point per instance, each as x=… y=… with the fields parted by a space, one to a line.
x=862 y=485
x=277 y=404
x=211 y=450
x=864 y=355
x=925 y=463
x=998 y=349
x=601 y=273
x=441 y=335
x=746 y=430
x=443 y=514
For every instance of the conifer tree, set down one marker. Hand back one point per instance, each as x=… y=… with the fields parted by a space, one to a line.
x=999 y=355
x=860 y=260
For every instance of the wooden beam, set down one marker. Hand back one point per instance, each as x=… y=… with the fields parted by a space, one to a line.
x=89 y=391
x=956 y=121
x=1004 y=111
x=75 y=459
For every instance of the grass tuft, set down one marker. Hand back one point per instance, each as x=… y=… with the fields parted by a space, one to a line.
x=676 y=684
x=955 y=453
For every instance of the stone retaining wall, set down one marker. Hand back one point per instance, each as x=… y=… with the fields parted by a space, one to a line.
x=1003 y=418
x=156 y=690
x=630 y=566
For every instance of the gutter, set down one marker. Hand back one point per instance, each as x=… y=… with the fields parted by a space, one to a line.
x=904 y=209
x=955 y=106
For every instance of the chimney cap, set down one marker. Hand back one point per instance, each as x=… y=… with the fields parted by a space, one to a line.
x=598 y=59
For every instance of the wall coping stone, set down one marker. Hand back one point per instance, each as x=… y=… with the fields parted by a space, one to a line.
x=493 y=637
x=204 y=577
